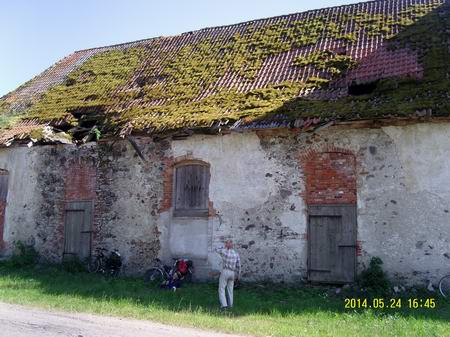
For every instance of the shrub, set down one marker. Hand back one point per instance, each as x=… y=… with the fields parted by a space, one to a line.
x=24 y=255
x=374 y=278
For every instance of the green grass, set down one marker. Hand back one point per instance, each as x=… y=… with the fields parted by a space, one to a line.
x=261 y=310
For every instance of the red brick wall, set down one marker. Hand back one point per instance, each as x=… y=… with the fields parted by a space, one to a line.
x=330 y=177
x=80 y=182
x=166 y=203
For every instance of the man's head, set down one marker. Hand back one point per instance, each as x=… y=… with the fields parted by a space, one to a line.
x=228 y=244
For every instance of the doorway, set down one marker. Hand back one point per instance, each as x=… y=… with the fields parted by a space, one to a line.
x=332 y=232
x=78 y=230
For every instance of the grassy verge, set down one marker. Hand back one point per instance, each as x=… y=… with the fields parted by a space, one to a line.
x=261 y=310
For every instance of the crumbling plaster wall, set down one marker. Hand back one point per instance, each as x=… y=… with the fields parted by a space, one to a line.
x=256 y=192
x=23 y=180
x=256 y=200
x=128 y=191
x=402 y=196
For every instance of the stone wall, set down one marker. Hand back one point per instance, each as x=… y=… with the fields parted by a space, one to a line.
x=125 y=191
x=261 y=183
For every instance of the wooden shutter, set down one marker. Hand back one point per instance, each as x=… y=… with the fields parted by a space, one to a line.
x=332 y=243
x=191 y=190
x=77 y=237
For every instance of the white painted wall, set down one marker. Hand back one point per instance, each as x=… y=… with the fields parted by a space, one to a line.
x=23 y=199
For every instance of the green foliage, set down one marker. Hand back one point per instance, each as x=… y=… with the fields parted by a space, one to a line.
x=23 y=255
x=73 y=265
x=374 y=278
x=97 y=133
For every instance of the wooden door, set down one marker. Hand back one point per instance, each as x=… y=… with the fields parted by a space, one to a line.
x=78 y=232
x=3 y=198
x=332 y=243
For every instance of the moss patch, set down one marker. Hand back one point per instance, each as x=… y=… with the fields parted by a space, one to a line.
x=7 y=117
x=92 y=85
x=327 y=61
x=183 y=88
x=399 y=96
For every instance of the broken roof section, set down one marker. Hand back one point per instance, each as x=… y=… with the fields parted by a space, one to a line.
x=368 y=60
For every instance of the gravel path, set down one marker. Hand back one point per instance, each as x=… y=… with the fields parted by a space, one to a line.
x=19 y=321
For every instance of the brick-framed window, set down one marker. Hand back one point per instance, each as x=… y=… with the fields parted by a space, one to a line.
x=191 y=189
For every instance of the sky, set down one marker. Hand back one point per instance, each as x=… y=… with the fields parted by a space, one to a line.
x=34 y=34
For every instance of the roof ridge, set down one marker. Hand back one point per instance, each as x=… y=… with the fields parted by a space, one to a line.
x=283 y=15
x=121 y=44
x=205 y=29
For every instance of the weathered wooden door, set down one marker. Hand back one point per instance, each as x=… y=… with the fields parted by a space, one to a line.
x=3 y=198
x=78 y=232
x=332 y=243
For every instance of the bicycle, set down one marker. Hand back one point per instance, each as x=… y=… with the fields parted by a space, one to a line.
x=160 y=272
x=107 y=265
x=444 y=286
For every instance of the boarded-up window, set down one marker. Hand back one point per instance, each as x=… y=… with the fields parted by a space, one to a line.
x=191 y=190
x=3 y=197
x=77 y=233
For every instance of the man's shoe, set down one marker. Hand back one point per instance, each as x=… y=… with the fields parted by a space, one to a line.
x=223 y=308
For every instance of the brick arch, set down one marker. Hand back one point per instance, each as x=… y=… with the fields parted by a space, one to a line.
x=330 y=176
x=180 y=162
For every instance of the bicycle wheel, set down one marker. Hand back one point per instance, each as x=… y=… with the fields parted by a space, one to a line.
x=188 y=277
x=114 y=272
x=154 y=275
x=93 y=266
x=444 y=286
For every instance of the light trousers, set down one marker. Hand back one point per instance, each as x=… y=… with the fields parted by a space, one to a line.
x=226 y=280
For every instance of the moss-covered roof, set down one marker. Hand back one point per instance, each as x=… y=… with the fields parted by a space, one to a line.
x=368 y=60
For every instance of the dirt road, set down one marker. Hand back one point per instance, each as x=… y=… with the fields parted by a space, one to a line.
x=19 y=321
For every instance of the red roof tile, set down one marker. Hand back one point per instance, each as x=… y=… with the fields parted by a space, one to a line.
x=364 y=30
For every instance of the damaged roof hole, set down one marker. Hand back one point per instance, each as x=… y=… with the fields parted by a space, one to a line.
x=88 y=118
x=358 y=89
x=89 y=110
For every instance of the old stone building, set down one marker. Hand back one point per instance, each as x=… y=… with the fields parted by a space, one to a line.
x=314 y=140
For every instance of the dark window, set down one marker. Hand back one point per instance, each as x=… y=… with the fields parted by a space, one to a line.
x=191 y=190
x=355 y=89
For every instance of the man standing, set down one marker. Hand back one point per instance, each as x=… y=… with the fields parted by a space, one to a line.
x=231 y=264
